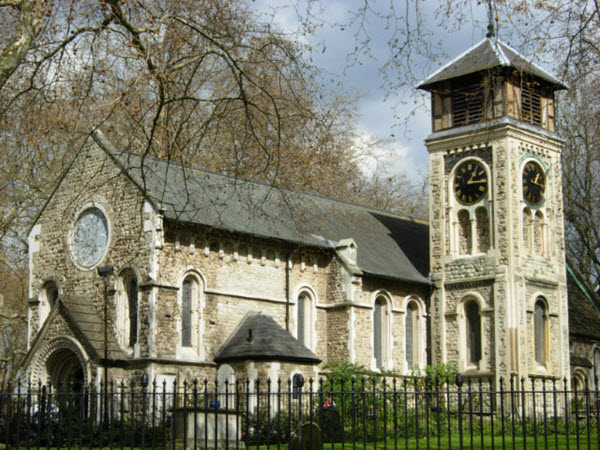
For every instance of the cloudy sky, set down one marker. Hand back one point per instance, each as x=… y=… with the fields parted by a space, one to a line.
x=401 y=115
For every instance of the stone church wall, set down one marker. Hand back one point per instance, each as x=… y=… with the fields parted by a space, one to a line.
x=239 y=274
x=92 y=180
x=236 y=274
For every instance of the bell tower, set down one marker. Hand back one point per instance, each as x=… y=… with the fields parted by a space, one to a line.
x=496 y=218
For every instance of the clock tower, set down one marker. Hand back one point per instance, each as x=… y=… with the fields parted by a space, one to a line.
x=496 y=218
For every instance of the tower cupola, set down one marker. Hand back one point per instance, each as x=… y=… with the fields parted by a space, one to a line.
x=491 y=81
x=496 y=216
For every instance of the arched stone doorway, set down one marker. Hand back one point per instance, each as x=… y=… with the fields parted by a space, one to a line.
x=64 y=369
x=61 y=362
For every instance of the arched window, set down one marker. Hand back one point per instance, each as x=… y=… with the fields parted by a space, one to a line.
x=132 y=299
x=304 y=322
x=473 y=332
x=578 y=382
x=596 y=360
x=127 y=309
x=483 y=230
x=187 y=291
x=540 y=325
x=51 y=293
x=380 y=332
x=411 y=335
x=48 y=298
x=190 y=310
x=527 y=230
x=465 y=245
x=538 y=233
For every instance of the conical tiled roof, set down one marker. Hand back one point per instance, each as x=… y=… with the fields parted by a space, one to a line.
x=259 y=338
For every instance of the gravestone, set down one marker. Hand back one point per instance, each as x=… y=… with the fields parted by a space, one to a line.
x=311 y=438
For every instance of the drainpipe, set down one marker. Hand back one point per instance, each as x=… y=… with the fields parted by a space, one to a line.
x=288 y=269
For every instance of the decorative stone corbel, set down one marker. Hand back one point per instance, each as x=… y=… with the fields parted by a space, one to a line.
x=347 y=252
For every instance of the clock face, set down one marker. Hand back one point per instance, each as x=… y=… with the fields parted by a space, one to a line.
x=534 y=182
x=90 y=237
x=470 y=182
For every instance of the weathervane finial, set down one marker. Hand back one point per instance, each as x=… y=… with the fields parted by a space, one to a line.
x=491 y=27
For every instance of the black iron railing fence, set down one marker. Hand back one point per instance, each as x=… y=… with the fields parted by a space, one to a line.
x=354 y=413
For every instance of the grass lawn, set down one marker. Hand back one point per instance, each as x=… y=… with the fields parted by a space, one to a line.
x=488 y=443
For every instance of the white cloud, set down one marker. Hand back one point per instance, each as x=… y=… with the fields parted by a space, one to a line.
x=400 y=125
x=388 y=156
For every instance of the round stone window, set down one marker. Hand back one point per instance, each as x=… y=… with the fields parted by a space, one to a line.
x=90 y=238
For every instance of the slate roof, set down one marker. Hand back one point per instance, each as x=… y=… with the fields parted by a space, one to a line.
x=488 y=54
x=580 y=361
x=83 y=313
x=268 y=342
x=584 y=309
x=388 y=245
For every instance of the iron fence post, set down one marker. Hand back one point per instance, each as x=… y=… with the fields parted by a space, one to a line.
x=353 y=401
x=545 y=406
x=566 y=409
x=298 y=383
x=587 y=412
x=470 y=400
x=596 y=404
x=18 y=437
x=459 y=383
x=501 y=385
x=523 y=414
x=153 y=419
x=492 y=410
x=448 y=412
x=144 y=383
x=555 y=411
x=534 y=413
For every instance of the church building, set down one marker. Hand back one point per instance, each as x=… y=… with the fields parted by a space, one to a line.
x=139 y=265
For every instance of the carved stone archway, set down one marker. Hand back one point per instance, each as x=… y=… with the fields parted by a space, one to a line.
x=62 y=362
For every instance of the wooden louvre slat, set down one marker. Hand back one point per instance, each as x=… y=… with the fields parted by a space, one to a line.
x=531 y=104
x=467 y=105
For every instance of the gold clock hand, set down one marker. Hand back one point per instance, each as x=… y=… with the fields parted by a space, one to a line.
x=537 y=184
x=471 y=181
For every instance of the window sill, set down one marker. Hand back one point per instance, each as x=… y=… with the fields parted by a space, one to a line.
x=187 y=353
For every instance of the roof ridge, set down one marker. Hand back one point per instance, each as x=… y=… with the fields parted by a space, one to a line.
x=581 y=287
x=262 y=183
x=445 y=66
x=533 y=64
x=489 y=53
x=497 y=47
x=182 y=193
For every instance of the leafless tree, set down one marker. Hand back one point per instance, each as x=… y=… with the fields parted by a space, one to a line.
x=196 y=81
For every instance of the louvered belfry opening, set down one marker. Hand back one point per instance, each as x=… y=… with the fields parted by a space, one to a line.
x=491 y=81
x=467 y=104
x=531 y=103
x=491 y=95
